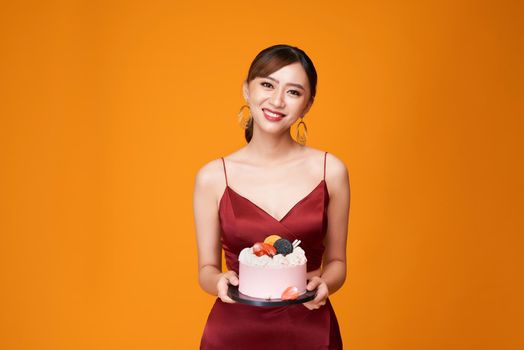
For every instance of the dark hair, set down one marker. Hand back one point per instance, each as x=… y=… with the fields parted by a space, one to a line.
x=272 y=59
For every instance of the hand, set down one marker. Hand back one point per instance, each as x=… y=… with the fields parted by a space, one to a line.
x=322 y=293
x=228 y=277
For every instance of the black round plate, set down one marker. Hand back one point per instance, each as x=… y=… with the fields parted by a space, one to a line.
x=234 y=294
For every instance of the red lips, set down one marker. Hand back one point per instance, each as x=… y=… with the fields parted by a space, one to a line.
x=275 y=112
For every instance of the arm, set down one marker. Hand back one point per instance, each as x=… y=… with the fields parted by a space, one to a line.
x=333 y=273
x=334 y=260
x=207 y=226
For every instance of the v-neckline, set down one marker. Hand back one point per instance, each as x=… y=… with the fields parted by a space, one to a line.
x=267 y=213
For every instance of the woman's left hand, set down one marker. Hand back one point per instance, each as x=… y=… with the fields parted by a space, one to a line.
x=322 y=293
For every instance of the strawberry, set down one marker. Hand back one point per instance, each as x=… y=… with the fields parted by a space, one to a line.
x=290 y=293
x=269 y=249
x=259 y=249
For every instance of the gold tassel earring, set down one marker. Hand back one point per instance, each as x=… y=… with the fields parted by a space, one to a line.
x=302 y=136
x=242 y=120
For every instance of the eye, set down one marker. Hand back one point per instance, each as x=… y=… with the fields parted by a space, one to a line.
x=269 y=85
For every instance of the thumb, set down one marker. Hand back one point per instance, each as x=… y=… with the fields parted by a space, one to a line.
x=233 y=280
x=312 y=284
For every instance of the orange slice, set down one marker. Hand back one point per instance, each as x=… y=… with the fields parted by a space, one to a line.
x=272 y=239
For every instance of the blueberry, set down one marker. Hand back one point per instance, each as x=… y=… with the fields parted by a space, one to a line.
x=283 y=246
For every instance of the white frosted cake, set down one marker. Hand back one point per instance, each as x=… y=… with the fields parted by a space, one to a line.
x=275 y=269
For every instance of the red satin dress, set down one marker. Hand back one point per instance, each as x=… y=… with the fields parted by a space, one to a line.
x=246 y=327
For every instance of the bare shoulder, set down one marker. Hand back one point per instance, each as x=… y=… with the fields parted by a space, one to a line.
x=335 y=167
x=337 y=175
x=210 y=176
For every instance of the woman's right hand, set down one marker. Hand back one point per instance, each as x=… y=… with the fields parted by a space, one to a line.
x=226 y=278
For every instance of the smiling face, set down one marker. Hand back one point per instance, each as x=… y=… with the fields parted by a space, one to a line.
x=278 y=100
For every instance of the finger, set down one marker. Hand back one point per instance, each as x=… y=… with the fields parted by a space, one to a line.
x=308 y=305
x=227 y=299
x=233 y=279
x=224 y=297
x=313 y=284
x=222 y=291
x=320 y=297
x=322 y=293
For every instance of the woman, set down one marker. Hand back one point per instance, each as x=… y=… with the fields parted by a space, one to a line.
x=271 y=186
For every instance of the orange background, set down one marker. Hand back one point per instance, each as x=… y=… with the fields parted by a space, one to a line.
x=109 y=108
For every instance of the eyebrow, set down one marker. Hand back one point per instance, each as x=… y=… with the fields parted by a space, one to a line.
x=292 y=84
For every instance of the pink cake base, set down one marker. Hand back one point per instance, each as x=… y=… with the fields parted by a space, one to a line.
x=270 y=282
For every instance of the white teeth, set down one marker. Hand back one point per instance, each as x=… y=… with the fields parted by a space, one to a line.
x=271 y=114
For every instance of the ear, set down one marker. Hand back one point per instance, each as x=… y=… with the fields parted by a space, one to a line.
x=245 y=90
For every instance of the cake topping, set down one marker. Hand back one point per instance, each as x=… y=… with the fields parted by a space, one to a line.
x=290 y=293
x=269 y=249
x=283 y=246
x=249 y=257
x=261 y=248
x=271 y=239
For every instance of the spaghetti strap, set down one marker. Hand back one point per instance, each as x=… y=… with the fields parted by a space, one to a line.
x=225 y=173
x=325 y=155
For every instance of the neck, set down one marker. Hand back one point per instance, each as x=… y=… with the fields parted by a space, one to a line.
x=271 y=148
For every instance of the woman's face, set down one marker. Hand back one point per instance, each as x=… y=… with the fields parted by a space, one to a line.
x=277 y=101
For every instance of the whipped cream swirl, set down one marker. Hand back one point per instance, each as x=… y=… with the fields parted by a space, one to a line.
x=297 y=257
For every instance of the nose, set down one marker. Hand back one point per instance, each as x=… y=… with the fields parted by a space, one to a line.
x=276 y=98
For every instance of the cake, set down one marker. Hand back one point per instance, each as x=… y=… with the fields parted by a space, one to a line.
x=273 y=269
